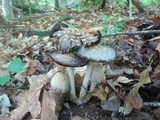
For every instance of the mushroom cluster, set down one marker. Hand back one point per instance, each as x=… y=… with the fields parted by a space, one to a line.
x=76 y=48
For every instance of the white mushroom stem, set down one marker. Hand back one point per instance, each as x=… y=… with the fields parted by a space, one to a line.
x=73 y=96
x=86 y=79
x=97 y=75
x=93 y=86
x=70 y=72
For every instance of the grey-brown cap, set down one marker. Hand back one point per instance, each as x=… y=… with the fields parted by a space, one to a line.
x=68 y=40
x=97 y=53
x=68 y=60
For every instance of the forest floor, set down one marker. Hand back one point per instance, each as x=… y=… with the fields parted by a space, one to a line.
x=132 y=86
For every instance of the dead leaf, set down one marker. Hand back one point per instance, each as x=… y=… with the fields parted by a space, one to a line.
x=78 y=79
x=79 y=118
x=157 y=71
x=134 y=98
x=100 y=93
x=156 y=112
x=158 y=47
x=29 y=100
x=111 y=104
x=123 y=79
x=51 y=105
x=126 y=109
x=35 y=66
x=144 y=75
x=93 y=30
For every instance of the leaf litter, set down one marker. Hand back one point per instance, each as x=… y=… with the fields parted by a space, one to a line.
x=131 y=80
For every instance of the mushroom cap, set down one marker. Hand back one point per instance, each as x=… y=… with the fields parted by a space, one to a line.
x=68 y=60
x=97 y=53
x=60 y=82
x=68 y=40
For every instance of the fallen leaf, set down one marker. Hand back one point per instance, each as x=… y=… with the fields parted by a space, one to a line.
x=134 y=98
x=126 y=109
x=111 y=104
x=51 y=105
x=123 y=79
x=79 y=118
x=29 y=100
x=157 y=71
x=100 y=93
x=158 y=47
x=4 y=77
x=78 y=79
x=16 y=65
x=93 y=30
x=144 y=75
x=4 y=103
x=35 y=66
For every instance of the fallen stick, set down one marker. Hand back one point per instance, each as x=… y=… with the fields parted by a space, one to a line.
x=133 y=33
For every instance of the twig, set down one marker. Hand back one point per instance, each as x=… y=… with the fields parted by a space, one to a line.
x=133 y=33
x=152 y=104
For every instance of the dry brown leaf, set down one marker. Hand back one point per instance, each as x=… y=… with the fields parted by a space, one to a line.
x=94 y=30
x=144 y=75
x=134 y=98
x=157 y=71
x=111 y=104
x=123 y=79
x=158 y=47
x=100 y=93
x=79 y=118
x=29 y=100
x=51 y=105
x=78 y=79
x=34 y=66
x=126 y=109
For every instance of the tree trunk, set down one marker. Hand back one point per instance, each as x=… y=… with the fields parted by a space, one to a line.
x=138 y=5
x=56 y=5
x=7 y=9
x=3 y=22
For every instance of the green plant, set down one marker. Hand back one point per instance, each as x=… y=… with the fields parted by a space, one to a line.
x=69 y=25
x=4 y=79
x=14 y=67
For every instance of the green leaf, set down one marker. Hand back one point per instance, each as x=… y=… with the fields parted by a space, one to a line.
x=4 y=79
x=105 y=27
x=104 y=18
x=69 y=25
x=16 y=65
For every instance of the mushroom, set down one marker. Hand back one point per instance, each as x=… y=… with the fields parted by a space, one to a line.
x=65 y=42
x=96 y=53
x=70 y=61
x=60 y=82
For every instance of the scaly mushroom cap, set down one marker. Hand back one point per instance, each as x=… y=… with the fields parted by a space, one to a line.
x=68 y=60
x=68 y=40
x=60 y=82
x=97 y=53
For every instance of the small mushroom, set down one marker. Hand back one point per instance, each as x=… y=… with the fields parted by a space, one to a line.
x=96 y=53
x=60 y=82
x=70 y=61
